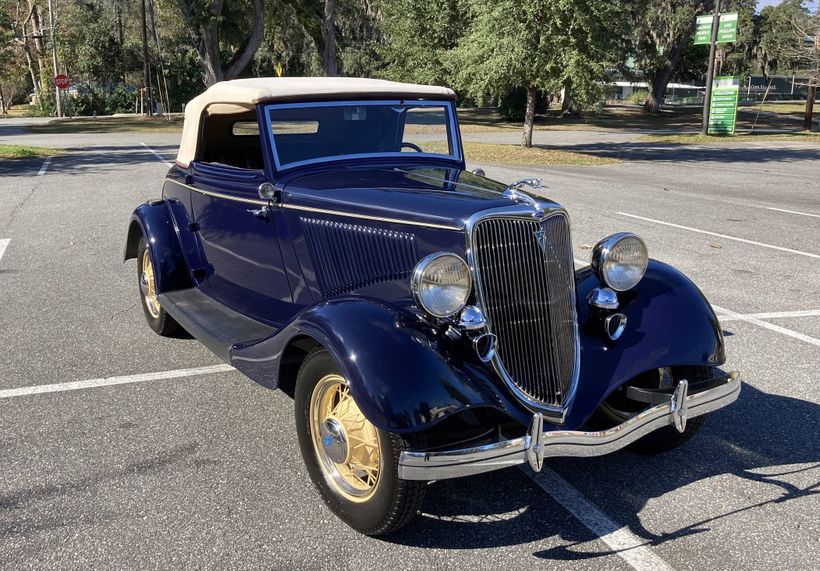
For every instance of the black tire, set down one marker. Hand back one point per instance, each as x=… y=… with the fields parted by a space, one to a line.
x=394 y=502
x=158 y=319
x=668 y=437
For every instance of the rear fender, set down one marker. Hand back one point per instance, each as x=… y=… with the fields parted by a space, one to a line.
x=153 y=221
x=404 y=375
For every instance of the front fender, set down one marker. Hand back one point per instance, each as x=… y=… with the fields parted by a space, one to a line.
x=154 y=221
x=669 y=323
x=404 y=376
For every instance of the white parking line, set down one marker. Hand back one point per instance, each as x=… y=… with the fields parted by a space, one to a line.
x=766 y=325
x=107 y=381
x=156 y=154
x=772 y=315
x=792 y=211
x=44 y=168
x=623 y=542
x=771 y=246
x=3 y=245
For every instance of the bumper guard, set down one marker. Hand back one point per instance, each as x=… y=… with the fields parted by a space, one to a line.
x=537 y=444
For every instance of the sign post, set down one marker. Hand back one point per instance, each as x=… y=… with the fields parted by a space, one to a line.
x=707 y=98
x=723 y=108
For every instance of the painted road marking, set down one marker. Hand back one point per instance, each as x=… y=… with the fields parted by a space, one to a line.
x=3 y=245
x=792 y=211
x=773 y=315
x=108 y=381
x=157 y=155
x=623 y=542
x=766 y=325
x=44 y=168
x=771 y=246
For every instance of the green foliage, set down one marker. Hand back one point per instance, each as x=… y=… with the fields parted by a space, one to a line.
x=120 y=100
x=419 y=34
x=512 y=104
x=638 y=97
x=780 y=34
x=546 y=44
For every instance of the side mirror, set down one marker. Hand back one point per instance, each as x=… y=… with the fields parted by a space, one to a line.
x=479 y=172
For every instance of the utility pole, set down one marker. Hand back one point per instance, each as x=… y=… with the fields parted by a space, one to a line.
x=146 y=69
x=54 y=58
x=707 y=100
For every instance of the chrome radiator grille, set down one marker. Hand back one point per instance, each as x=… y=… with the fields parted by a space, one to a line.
x=527 y=290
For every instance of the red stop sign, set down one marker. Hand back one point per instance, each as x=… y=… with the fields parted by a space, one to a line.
x=62 y=81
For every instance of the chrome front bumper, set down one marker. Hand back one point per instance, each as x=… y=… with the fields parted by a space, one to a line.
x=537 y=444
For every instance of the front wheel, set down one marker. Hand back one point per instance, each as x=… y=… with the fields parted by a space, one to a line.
x=617 y=409
x=353 y=464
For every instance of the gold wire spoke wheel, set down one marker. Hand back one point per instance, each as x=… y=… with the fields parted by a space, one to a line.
x=148 y=285
x=346 y=443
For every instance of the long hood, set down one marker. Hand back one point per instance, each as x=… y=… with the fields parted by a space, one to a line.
x=423 y=194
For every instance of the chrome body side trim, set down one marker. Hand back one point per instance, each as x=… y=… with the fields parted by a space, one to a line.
x=552 y=414
x=537 y=445
x=316 y=210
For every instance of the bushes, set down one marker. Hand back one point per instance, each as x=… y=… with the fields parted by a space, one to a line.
x=638 y=96
x=513 y=105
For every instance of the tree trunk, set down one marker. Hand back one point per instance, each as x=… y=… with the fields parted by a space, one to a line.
x=27 y=51
x=206 y=40
x=529 y=117
x=329 y=61
x=807 y=116
x=37 y=28
x=662 y=76
x=3 y=109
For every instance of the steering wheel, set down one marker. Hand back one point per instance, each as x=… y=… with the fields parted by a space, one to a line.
x=399 y=146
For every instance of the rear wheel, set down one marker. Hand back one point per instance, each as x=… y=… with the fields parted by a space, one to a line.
x=353 y=464
x=618 y=409
x=157 y=318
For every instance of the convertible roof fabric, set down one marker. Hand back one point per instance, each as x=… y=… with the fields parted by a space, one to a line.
x=242 y=95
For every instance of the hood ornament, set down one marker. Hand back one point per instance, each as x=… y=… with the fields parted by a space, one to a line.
x=513 y=192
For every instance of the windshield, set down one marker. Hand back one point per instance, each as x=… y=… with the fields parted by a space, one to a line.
x=313 y=132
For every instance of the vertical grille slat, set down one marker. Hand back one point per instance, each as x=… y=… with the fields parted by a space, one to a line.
x=528 y=294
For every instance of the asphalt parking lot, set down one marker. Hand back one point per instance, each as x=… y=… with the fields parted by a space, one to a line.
x=165 y=459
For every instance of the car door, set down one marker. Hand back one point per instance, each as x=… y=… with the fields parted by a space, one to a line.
x=241 y=247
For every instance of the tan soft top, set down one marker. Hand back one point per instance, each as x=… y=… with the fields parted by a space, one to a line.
x=242 y=95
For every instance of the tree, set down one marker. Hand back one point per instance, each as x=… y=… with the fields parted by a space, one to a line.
x=539 y=44
x=418 y=35
x=663 y=33
x=218 y=24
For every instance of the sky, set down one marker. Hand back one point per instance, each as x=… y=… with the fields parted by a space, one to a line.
x=763 y=3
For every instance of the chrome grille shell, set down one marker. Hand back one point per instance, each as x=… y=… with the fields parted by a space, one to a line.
x=540 y=370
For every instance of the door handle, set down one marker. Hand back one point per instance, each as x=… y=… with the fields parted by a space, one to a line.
x=259 y=212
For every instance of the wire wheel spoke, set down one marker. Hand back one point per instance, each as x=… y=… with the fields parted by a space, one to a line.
x=357 y=476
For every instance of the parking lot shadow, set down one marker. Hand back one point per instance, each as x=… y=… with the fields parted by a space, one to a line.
x=756 y=440
x=88 y=160
x=725 y=153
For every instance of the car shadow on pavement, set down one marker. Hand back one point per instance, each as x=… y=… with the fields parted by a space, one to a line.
x=719 y=153
x=756 y=439
x=89 y=160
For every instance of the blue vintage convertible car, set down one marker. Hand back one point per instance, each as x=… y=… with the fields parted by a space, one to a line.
x=323 y=237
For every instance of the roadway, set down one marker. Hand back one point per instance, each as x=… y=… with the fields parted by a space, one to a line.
x=164 y=458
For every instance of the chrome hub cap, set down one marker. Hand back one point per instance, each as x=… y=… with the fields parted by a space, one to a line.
x=345 y=442
x=148 y=286
x=334 y=440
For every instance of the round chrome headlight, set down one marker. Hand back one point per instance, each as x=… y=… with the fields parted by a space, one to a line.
x=620 y=260
x=441 y=284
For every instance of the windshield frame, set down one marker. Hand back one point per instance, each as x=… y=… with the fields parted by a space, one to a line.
x=452 y=129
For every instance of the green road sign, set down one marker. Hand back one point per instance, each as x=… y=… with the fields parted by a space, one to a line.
x=727 y=29
x=723 y=109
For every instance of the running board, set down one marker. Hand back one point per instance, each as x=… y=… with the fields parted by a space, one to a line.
x=215 y=325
